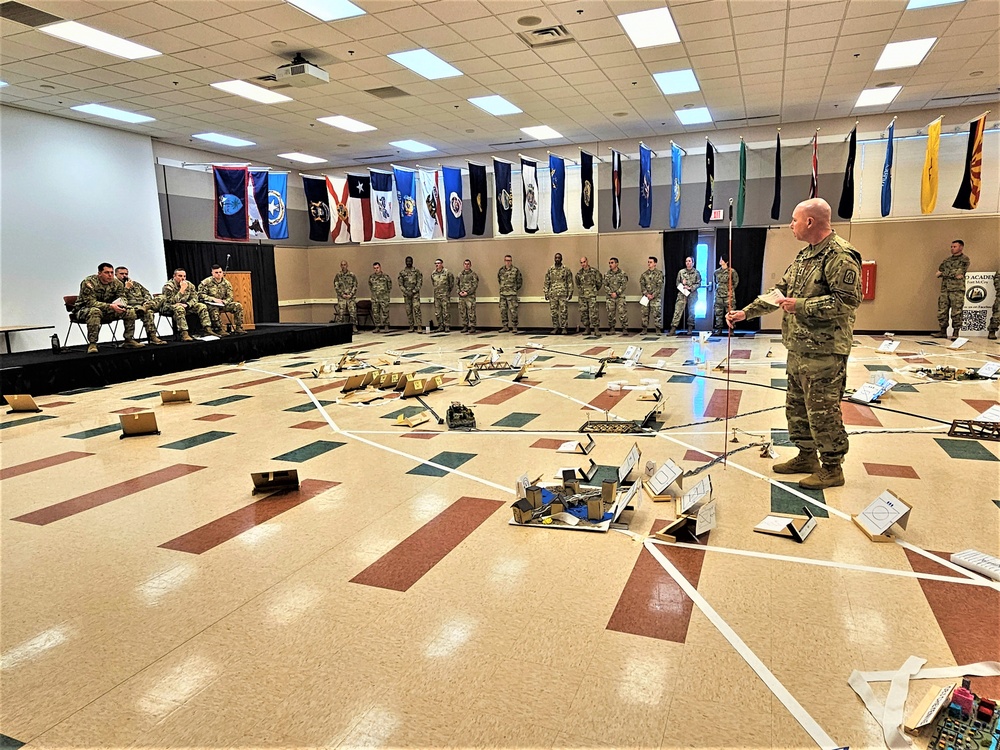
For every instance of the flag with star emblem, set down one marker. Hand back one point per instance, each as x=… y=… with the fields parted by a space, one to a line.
x=383 y=205
x=277 y=195
x=645 y=185
x=359 y=207
x=318 y=207
x=453 y=202
x=429 y=205
x=406 y=196
x=587 y=189
x=529 y=194
x=337 y=188
x=557 y=173
x=504 y=198
x=231 y=202
x=257 y=205
x=972 y=178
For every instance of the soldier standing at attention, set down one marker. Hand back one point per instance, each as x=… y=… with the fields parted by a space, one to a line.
x=345 y=285
x=141 y=301
x=180 y=297
x=952 y=274
x=689 y=278
x=651 y=286
x=995 y=317
x=558 y=290
x=101 y=300
x=217 y=294
x=820 y=292
x=468 y=282
x=615 y=281
x=444 y=283
x=410 y=281
x=724 y=300
x=380 y=285
x=588 y=284
x=510 y=282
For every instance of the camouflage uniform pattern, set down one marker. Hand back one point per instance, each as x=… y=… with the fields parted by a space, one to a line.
x=722 y=295
x=558 y=289
x=615 y=283
x=510 y=283
x=651 y=282
x=212 y=289
x=174 y=301
x=588 y=283
x=953 y=269
x=410 y=281
x=995 y=318
x=825 y=280
x=444 y=284
x=140 y=299
x=93 y=307
x=468 y=282
x=380 y=285
x=346 y=283
x=691 y=279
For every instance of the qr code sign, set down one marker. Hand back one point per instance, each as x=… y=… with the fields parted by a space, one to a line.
x=974 y=320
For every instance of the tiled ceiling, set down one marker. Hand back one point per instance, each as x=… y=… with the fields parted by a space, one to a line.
x=757 y=61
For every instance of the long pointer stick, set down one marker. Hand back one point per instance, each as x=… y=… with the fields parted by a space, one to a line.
x=729 y=336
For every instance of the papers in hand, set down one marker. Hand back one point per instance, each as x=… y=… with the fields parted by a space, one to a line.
x=215 y=304
x=772 y=297
x=682 y=290
x=644 y=300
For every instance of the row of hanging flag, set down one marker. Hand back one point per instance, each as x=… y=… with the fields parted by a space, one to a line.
x=429 y=204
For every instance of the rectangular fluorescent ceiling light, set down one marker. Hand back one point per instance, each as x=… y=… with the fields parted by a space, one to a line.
x=676 y=81
x=695 y=116
x=876 y=97
x=917 y=4
x=223 y=140
x=415 y=146
x=495 y=105
x=542 y=133
x=77 y=33
x=425 y=63
x=346 y=123
x=250 y=91
x=904 y=54
x=306 y=158
x=650 y=28
x=115 y=114
x=328 y=10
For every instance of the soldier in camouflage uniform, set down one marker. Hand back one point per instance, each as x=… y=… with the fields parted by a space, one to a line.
x=995 y=318
x=410 y=280
x=180 y=297
x=651 y=286
x=820 y=293
x=558 y=288
x=217 y=294
x=952 y=274
x=588 y=284
x=141 y=301
x=510 y=282
x=615 y=281
x=380 y=285
x=688 y=277
x=98 y=302
x=443 y=281
x=723 y=299
x=345 y=285
x=468 y=283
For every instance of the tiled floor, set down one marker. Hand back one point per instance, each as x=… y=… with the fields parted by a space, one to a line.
x=150 y=600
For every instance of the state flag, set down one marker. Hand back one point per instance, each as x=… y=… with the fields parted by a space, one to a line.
x=383 y=205
x=453 y=205
x=972 y=179
x=887 y=173
x=359 y=207
x=929 y=177
x=231 y=202
x=846 y=208
x=429 y=205
x=675 y=185
x=406 y=198
x=706 y=212
x=277 y=196
x=529 y=192
x=741 y=194
x=477 y=190
x=340 y=217
x=504 y=200
x=257 y=205
x=557 y=171
x=814 y=177
x=616 y=189
x=645 y=185
x=587 y=192
x=318 y=207
x=776 y=203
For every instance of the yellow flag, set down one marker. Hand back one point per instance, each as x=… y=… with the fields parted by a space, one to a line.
x=929 y=180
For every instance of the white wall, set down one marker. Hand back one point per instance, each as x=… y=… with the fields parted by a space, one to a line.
x=72 y=195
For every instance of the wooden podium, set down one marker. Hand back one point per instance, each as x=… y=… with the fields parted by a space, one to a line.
x=243 y=293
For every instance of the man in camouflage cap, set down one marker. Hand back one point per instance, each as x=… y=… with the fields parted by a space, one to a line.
x=724 y=297
x=410 y=280
x=819 y=294
x=588 y=284
x=180 y=298
x=443 y=282
x=141 y=301
x=952 y=274
x=510 y=282
x=217 y=294
x=558 y=289
x=345 y=285
x=615 y=281
x=380 y=285
x=688 y=279
x=468 y=283
x=102 y=300
x=651 y=286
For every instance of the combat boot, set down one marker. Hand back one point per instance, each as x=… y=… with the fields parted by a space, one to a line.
x=513 y=331
x=185 y=336
x=829 y=475
x=992 y=335
x=597 y=333
x=804 y=463
x=156 y=340
x=505 y=329
x=91 y=348
x=673 y=331
x=554 y=332
x=942 y=334
x=240 y=332
x=221 y=332
x=131 y=344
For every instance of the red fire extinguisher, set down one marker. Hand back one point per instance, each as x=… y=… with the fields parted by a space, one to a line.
x=868 y=273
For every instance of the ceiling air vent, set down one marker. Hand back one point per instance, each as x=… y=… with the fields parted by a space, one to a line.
x=386 y=92
x=546 y=37
x=379 y=157
x=750 y=120
x=963 y=97
x=14 y=11
x=520 y=144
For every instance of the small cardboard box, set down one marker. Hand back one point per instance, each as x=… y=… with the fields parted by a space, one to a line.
x=522 y=511
x=533 y=495
x=609 y=490
x=595 y=509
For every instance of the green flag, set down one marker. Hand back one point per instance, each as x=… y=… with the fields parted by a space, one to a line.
x=741 y=196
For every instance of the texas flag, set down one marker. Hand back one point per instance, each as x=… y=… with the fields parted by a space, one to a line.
x=337 y=187
x=383 y=205
x=359 y=207
x=429 y=209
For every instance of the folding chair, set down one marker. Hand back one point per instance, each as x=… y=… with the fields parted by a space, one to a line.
x=69 y=301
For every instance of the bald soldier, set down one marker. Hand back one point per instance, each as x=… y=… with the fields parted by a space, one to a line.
x=588 y=283
x=558 y=290
x=101 y=300
x=819 y=294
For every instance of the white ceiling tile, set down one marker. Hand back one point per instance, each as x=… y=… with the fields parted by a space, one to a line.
x=808 y=13
x=202 y=35
x=753 y=7
x=119 y=25
x=159 y=15
x=408 y=18
x=753 y=54
x=455 y=11
x=761 y=39
x=708 y=30
x=484 y=28
x=596 y=29
x=760 y=22
x=710 y=10
x=710 y=46
x=820 y=32
x=505 y=45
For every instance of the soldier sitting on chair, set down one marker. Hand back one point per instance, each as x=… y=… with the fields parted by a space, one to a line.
x=141 y=301
x=101 y=300
x=180 y=298
x=217 y=294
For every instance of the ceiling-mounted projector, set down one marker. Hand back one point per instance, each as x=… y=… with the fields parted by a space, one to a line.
x=301 y=72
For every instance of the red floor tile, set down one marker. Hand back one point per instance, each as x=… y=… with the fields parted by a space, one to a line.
x=326 y=386
x=891 y=470
x=858 y=414
x=414 y=346
x=54 y=404
x=503 y=394
x=594 y=350
x=667 y=351
x=201 y=377
x=214 y=417
x=308 y=425
x=41 y=463
x=471 y=347
x=740 y=354
x=607 y=400
x=720 y=401
x=547 y=443
x=131 y=410
x=251 y=383
x=421 y=435
x=980 y=404
x=692 y=455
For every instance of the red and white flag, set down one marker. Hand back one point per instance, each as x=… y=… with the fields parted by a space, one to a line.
x=384 y=210
x=814 y=182
x=359 y=207
x=429 y=211
x=337 y=188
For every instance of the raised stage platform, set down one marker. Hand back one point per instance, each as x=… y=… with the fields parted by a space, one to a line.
x=43 y=372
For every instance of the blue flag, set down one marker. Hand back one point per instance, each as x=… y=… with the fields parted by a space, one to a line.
x=557 y=170
x=231 y=202
x=503 y=197
x=645 y=186
x=277 y=194
x=887 y=174
x=409 y=223
x=675 y=185
x=318 y=207
x=453 y=202
x=257 y=205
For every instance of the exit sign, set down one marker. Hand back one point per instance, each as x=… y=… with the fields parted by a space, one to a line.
x=717 y=214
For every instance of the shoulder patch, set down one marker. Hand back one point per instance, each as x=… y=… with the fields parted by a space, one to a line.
x=850 y=276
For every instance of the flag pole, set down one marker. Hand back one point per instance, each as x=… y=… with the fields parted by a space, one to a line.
x=848 y=136
x=679 y=148
x=650 y=150
x=593 y=156
x=729 y=338
x=571 y=161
